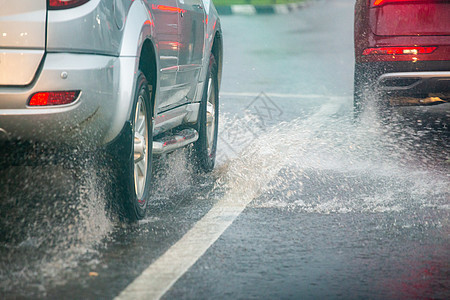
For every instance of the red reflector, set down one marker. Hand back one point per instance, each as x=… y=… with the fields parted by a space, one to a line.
x=399 y=50
x=62 y=4
x=53 y=98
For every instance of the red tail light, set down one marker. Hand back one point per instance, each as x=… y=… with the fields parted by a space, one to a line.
x=382 y=2
x=63 y=4
x=399 y=50
x=53 y=98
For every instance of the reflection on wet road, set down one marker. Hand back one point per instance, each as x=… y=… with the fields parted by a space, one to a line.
x=330 y=207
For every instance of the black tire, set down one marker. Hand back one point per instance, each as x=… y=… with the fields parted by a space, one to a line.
x=204 y=149
x=361 y=89
x=131 y=182
x=366 y=95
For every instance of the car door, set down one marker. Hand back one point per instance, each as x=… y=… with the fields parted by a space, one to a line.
x=166 y=15
x=192 y=34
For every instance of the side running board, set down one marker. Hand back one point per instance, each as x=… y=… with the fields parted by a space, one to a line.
x=170 y=143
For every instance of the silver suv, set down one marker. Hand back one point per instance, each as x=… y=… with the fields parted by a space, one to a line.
x=128 y=77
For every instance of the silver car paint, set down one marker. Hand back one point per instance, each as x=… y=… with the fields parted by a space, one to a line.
x=73 y=32
x=120 y=12
x=22 y=40
x=107 y=79
x=88 y=120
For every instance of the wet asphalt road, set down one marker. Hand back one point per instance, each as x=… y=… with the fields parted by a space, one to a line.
x=333 y=208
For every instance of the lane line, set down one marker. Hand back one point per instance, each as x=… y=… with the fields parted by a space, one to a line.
x=246 y=184
x=159 y=277
x=280 y=95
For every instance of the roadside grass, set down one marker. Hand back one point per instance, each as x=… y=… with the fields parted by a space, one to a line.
x=254 y=2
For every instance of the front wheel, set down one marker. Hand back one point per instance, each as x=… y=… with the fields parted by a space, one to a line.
x=208 y=122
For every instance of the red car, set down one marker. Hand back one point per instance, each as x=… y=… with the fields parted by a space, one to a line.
x=402 y=55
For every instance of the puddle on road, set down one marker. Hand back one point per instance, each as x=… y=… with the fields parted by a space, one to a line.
x=329 y=163
x=55 y=227
x=321 y=163
x=49 y=222
x=381 y=187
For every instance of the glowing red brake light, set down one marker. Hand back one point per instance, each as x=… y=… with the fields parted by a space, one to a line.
x=382 y=2
x=53 y=98
x=63 y=4
x=399 y=50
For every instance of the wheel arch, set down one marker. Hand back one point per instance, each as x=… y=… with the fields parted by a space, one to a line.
x=138 y=42
x=138 y=50
x=138 y=27
x=148 y=64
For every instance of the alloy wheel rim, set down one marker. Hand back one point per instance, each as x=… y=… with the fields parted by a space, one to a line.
x=140 y=146
x=210 y=117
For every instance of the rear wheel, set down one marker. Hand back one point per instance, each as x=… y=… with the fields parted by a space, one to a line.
x=360 y=90
x=133 y=166
x=365 y=94
x=205 y=148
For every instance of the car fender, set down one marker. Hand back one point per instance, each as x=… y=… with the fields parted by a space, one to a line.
x=138 y=28
x=213 y=29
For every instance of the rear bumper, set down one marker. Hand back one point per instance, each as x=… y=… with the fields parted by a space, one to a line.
x=415 y=83
x=405 y=78
x=96 y=118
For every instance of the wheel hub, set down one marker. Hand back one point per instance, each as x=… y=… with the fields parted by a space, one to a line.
x=210 y=117
x=140 y=146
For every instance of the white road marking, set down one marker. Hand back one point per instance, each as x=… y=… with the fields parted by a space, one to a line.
x=244 y=185
x=159 y=277
x=278 y=95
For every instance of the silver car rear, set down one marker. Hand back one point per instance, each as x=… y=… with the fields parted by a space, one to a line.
x=113 y=79
x=22 y=40
x=42 y=50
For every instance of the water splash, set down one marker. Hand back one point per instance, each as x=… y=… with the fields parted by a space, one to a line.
x=50 y=222
x=367 y=166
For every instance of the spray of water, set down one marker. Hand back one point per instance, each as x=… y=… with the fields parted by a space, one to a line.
x=328 y=163
x=322 y=163
x=50 y=222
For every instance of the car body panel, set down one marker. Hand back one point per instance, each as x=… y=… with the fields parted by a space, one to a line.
x=121 y=9
x=19 y=66
x=192 y=41
x=394 y=19
x=72 y=30
x=167 y=15
x=376 y=28
x=96 y=48
x=94 y=108
x=22 y=40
